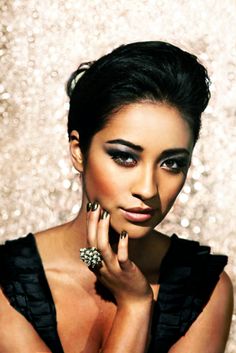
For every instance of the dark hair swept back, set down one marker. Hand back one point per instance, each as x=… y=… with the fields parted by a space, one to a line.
x=143 y=71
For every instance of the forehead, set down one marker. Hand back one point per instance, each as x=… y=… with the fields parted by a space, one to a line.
x=147 y=123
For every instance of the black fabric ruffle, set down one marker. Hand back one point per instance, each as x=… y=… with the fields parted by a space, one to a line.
x=24 y=283
x=188 y=276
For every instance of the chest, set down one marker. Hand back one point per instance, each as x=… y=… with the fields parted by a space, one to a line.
x=84 y=313
x=84 y=316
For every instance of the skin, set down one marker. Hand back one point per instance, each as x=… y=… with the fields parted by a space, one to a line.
x=149 y=176
x=143 y=179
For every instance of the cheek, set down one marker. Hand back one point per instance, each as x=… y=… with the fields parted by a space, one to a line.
x=100 y=182
x=168 y=191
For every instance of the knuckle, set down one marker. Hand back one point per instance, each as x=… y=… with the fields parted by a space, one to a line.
x=126 y=263
x=123 y=262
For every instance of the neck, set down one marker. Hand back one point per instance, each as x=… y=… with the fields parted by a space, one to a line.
x=75 y=237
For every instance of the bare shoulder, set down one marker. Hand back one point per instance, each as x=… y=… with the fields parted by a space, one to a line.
x=224 y=287
x=220 y=305
x=16 y=333
x=222 y=300
x=223 y=296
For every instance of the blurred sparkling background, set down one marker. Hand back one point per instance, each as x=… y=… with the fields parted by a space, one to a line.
x=42 y=42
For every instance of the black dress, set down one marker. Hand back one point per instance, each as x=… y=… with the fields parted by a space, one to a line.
x=188 y=276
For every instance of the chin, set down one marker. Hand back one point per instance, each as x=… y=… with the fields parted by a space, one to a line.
x=135 y=230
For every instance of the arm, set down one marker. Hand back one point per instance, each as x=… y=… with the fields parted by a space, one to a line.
x=130 y=330
x=209 y=333
x=133 y=294
x=16 y=333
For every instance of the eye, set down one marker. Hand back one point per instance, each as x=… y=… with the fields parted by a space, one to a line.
x=125 y=159
x=175 y=164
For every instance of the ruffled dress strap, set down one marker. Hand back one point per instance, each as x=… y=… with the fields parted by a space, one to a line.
x=24 y=283
x=188 y=276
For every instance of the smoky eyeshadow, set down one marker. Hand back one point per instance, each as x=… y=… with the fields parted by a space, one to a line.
x=116 y=151
x=182 y=158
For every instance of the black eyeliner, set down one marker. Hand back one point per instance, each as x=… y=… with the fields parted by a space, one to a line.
x=181 y=161
x=118 y=151
x=122 y=158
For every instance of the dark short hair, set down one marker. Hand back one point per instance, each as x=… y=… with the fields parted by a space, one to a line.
x=143 y=71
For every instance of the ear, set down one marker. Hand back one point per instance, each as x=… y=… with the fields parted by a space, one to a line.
x=75 y=151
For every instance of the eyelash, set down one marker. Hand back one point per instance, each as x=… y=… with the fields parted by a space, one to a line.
x=121 y=158
x=180 y=162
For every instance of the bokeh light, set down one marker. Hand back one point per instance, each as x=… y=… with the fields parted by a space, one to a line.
x=42 y=42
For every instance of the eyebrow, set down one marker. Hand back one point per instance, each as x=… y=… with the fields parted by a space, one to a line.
x=174 y=151
x=126 y=143
x=138 y=148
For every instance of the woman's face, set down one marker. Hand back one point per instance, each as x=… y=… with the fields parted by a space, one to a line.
x=138 y=164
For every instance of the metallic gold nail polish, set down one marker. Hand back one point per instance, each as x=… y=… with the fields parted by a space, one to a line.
x=123 y=234
x=89 y=206
x=94 y=206
x=104 y=214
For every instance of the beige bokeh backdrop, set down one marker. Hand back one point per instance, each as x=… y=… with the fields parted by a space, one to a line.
x=43 y=41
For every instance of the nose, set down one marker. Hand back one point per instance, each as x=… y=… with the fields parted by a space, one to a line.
x=145 y=186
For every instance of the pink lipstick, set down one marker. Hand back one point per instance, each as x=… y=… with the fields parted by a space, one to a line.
x=138 y=214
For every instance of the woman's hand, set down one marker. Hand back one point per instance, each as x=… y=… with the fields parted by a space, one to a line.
x=120 y=275
x=133 y=294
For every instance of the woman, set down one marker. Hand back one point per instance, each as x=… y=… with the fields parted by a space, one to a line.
x=107 y=281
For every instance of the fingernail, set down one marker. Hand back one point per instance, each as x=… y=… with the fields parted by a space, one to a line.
x=104 y=214
x=94 y=206
x=123 y=234
x=89 y=206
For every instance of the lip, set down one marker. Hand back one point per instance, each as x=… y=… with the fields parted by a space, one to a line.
x=140 y=210
x=138 y=214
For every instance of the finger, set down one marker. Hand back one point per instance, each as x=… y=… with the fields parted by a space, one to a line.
x=92 y=224
x=122 y=252
x=103 y=244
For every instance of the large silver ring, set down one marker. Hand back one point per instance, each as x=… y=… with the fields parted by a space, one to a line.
x=91 y=257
